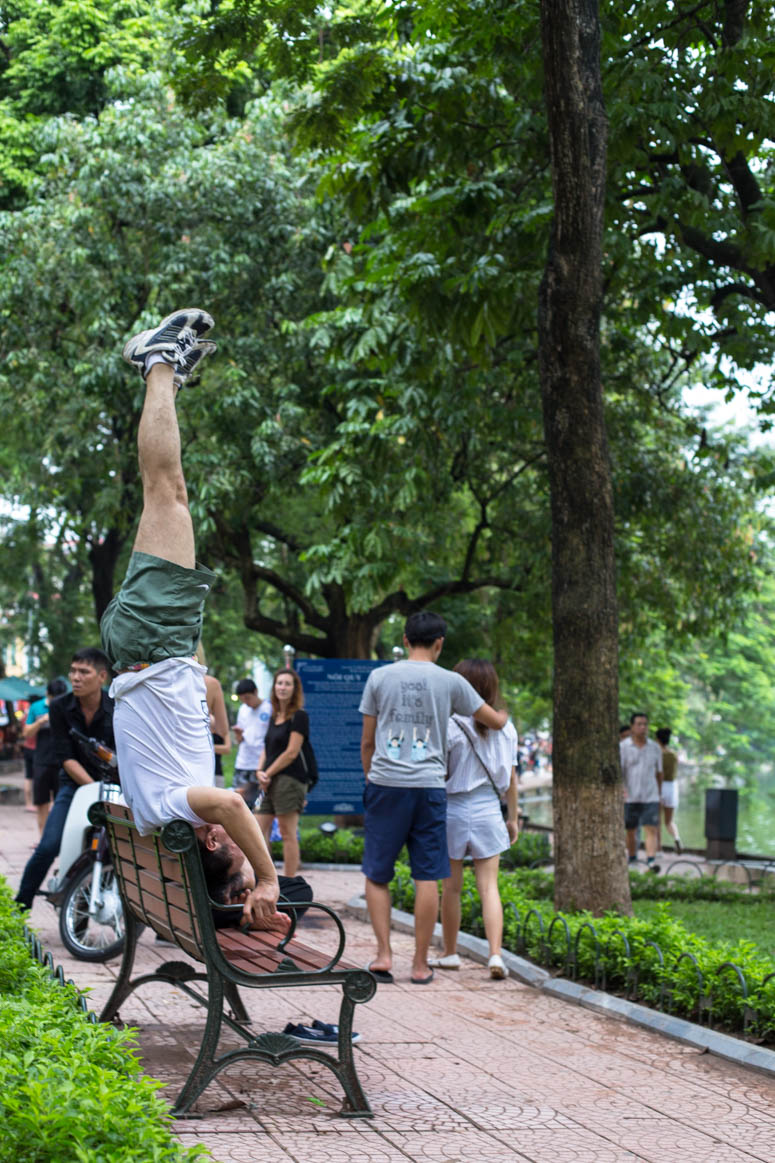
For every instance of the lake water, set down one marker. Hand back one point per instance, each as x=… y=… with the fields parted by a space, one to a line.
x=755 y=815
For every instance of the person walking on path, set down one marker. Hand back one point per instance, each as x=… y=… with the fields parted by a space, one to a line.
x=45 y=766
x=250 y=730
x=89 y=710
x=151 y=629
x=283 y=769
x=406 y=708
x=641 y=760
x=482 y=771
x=669 y=796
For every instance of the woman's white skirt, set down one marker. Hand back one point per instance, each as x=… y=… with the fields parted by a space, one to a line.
x=670 y=793
x=475 y=824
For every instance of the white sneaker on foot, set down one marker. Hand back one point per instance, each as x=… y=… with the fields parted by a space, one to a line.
x=497 y=969
x=450 y=961
x=172 y=339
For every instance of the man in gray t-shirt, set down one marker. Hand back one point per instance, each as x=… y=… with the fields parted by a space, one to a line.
x=641 y=760
x=406 y=709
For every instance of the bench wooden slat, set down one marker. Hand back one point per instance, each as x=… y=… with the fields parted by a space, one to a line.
x=180 y=919
x=144 y=855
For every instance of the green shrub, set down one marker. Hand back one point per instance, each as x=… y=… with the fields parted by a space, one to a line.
x=691 y=976
x=530 y=848
x=344 y=847
x=70 y=1091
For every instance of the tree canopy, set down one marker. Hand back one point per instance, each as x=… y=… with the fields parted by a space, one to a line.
x=363 y=198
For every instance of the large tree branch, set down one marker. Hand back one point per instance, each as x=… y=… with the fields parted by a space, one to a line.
x=295 y=595
x=285 y=632
x=278 y=534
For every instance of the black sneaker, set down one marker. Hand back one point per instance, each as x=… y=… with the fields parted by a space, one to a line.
x=172 y=339
x=191 y=361
x=678 y=846
x=318 y=1034
x=327 y=1028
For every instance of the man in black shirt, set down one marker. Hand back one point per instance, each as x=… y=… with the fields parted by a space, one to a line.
x=90 y=710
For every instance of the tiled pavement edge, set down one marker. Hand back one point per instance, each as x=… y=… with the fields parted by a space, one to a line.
x=462 y=1069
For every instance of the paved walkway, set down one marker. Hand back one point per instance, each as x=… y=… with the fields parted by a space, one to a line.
x=464 y=1069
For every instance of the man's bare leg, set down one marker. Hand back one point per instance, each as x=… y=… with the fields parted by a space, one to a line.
x=166 y=529
x=379 y=905
x=426 y=909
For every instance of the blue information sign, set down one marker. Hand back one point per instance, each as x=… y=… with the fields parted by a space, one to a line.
x=332 y=695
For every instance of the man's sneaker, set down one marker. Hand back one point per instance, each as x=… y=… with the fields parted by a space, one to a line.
x=318 y=1034
x=191 y=361
x=678 y=846
x=172 y=339
x=328 y=1028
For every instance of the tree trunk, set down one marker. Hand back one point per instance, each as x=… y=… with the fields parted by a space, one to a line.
x=103 y=556
x=590 y=860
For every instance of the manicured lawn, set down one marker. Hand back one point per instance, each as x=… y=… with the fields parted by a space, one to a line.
x=747 y=920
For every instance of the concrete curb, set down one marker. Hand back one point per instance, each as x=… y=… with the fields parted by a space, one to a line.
x=702 y=1038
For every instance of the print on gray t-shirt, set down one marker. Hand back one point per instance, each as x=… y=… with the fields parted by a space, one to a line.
x=412 y=702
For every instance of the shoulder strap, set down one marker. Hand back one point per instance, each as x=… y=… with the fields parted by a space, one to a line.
x=464 y=728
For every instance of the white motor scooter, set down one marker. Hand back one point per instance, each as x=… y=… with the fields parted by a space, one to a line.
x=83 y=887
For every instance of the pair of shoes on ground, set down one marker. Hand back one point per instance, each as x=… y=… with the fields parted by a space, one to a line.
x=452 y=961
x=316 y=1034
x=177 y=340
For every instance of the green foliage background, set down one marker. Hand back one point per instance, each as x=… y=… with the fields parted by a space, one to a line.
x=362 y=197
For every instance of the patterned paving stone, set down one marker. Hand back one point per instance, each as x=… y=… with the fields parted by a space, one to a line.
x=570 y=1145
x=462 y=1147
x=465 y=1069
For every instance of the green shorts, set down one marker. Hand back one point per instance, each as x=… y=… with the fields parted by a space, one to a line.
x=157 y=613
x=285 y=795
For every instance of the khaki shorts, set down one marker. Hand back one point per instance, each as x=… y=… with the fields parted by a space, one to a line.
x=285 y=795
x=157 y=613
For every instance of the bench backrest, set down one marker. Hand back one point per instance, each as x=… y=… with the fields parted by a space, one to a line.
x=161 y=878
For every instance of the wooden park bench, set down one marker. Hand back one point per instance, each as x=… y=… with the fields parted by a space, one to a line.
x=162 y=885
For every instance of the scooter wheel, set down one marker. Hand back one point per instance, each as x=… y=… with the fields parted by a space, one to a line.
x=92 y=938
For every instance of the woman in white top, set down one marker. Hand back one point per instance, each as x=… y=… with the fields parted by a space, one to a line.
x=481 y=771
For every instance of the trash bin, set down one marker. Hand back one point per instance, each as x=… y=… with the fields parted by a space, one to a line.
x=721 y=823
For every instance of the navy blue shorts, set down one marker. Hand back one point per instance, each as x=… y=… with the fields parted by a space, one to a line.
x=415 y=816
x=639 y=813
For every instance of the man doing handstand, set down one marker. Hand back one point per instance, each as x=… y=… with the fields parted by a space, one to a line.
x=150 y=632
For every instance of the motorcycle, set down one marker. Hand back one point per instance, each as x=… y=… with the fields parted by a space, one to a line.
x=84 y=888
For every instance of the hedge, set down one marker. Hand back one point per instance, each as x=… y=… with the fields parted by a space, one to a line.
x=71 y=1091
x=656 y=960
x=344 y=847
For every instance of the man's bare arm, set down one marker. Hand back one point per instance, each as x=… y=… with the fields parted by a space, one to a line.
x=218 y=805
x=30 y=730
x=496 y=720
x=77 y=772
x=368 y=742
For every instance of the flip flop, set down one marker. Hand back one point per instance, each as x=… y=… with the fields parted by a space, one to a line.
x=383 y=975
x=422 y=980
